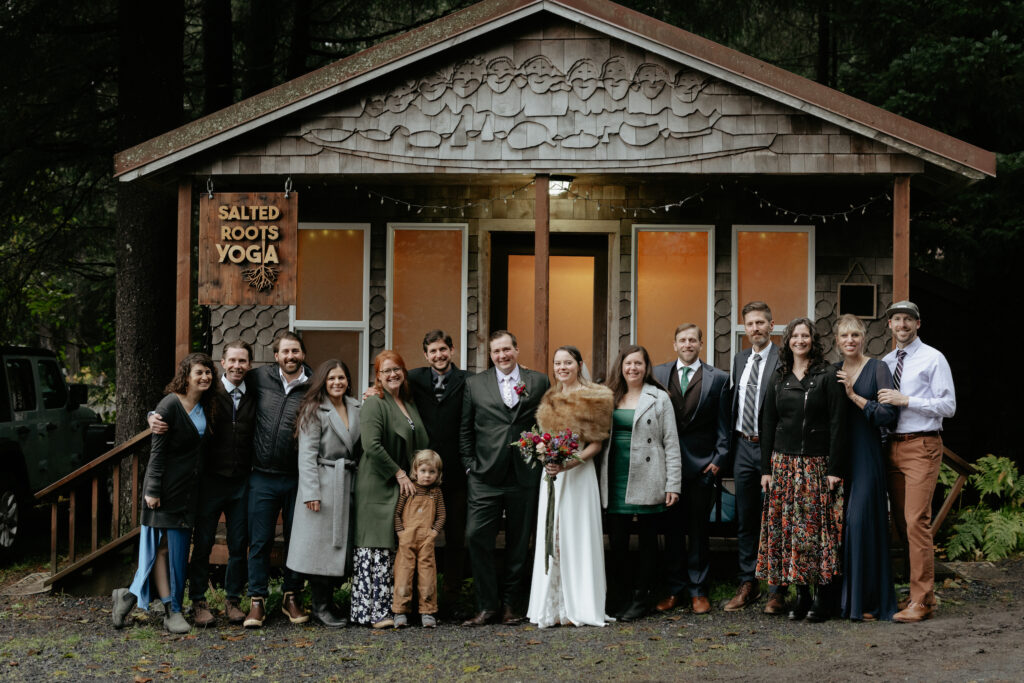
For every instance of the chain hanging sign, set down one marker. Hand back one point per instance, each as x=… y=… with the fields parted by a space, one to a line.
x=247 y=248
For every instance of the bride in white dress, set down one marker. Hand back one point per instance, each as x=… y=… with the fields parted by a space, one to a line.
x=572 y=589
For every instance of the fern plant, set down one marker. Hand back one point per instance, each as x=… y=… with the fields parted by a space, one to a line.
x=993 y=527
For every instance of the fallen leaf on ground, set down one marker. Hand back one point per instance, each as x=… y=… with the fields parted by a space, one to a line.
x=143 y=679
x=533 y=642
x=473 y=668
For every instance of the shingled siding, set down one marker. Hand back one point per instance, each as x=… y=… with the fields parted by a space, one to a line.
x=840 y=245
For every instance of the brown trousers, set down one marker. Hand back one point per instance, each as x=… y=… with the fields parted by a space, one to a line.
x=913 y=474
x=415 y=558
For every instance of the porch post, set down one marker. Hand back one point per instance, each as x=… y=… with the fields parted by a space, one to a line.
x=542 y=271
x=901 y=238
x=183 y=293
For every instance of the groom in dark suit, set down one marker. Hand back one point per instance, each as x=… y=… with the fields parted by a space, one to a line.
x=437 y=390
x=701 y=400
x=497 y=405
x=751 y=371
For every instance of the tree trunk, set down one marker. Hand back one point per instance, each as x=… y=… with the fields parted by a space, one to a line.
x=219 y=89
x=259 y=41
x=150 y=102
x=298 y=48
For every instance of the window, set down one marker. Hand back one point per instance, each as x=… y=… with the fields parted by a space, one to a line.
x=427 y=280
x=776 y=265
x=673 y=283
x=55 y=391
x=332 y=308
x=22 y=384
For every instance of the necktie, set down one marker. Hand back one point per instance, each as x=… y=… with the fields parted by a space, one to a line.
x=749 y=422
x=236 y=396
x=439 y=387
x=898 y=375
x=684 y=379
x=507 y=394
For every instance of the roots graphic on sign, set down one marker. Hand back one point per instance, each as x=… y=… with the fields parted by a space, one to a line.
x=263 y=276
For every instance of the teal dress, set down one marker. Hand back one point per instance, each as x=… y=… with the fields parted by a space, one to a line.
x=618 y=465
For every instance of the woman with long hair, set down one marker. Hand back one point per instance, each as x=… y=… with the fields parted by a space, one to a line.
x=569 y=586
x=803 y=447
x=868 y=593
x=640 y=475
x=391 y=431
x=327 y=427
x=170 y=495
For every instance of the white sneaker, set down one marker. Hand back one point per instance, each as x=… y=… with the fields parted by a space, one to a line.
x=401 y=621
x=428 y=621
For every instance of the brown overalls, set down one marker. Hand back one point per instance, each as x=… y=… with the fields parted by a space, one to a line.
x=415 y=518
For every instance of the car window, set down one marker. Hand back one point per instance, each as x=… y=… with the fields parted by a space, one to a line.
x=55 y=391
x=5 y=399
x=23 y=388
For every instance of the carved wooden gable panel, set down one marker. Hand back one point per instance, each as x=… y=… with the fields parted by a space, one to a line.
x=581 y=102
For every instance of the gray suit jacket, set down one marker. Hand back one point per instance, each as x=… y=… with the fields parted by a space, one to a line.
x=489 y=427
x=654 y=464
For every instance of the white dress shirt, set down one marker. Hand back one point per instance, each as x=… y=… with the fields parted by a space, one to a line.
x=741 y=387
x=288 y=386
x=230 y=388
x=512 y=379
x=694 y=367
x=928 y=384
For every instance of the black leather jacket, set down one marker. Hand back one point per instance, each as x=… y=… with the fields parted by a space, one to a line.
x=805 y=418
x=274 y=447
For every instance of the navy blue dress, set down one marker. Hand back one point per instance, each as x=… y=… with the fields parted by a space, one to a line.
x=867 y=572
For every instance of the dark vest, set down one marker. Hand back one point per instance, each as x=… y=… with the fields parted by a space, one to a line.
x=229 y=451
x=684 y=406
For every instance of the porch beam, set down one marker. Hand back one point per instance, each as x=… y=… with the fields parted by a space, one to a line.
x=542 y=271
x=901 y=238
x=183 y=294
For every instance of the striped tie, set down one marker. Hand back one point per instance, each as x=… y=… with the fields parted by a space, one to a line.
x=900 y=355
x=750 y=398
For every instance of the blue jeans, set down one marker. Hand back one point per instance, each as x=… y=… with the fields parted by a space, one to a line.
x=270 y=494
x=219 y=494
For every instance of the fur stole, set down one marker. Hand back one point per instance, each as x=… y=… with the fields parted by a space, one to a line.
x=587 y=412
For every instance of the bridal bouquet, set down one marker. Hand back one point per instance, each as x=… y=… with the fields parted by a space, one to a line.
x=544 y=448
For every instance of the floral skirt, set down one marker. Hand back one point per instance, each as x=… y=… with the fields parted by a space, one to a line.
x=373 y=581
x=801 y=524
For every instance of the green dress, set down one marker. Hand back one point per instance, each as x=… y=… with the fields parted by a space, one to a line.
x=618 y=464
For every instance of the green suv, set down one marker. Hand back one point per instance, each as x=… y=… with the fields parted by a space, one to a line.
x=45 y=433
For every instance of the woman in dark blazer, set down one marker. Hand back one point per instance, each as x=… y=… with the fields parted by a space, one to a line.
x=327 y=427
x=803 y=447
x=640 y=474
x=390 y=431
x=172 y=478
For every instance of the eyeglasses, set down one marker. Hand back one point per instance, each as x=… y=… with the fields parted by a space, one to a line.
x=391 y=371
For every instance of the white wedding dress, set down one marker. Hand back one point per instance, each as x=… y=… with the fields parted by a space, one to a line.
x=573 y=589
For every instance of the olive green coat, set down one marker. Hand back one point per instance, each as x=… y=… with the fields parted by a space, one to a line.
x=388 y=446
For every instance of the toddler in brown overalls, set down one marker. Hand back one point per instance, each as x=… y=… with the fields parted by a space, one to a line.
x=418 y=521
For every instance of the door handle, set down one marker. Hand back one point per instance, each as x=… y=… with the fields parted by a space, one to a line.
x=51 y=427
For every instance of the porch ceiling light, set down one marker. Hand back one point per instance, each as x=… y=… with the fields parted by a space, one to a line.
x=559 y=185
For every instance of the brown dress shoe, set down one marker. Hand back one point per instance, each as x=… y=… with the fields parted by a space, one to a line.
x=665 y=604
x=510 y=617
x=747 y=593
x=290 y=608
x=700 y=604
x=482 y=619
x=776 y=604
x=914 y=613
x=201 y=614
x=904 y=603
x=234 y=613
x=257 y=614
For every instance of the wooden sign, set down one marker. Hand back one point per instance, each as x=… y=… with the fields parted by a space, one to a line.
x=247 y=248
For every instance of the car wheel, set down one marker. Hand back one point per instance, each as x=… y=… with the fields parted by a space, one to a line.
x=11 y=520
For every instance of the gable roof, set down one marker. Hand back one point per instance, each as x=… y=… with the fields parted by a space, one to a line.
x=605 y=17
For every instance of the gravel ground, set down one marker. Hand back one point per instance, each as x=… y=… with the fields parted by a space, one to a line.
x=978 y=634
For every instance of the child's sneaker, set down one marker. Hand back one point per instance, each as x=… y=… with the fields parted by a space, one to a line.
x=429 y=621
x=401 y=621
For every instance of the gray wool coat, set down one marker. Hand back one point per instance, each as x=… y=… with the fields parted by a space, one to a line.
x=655 y=467
x=328 y=453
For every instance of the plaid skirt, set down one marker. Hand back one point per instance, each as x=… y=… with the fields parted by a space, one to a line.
x=801 y=524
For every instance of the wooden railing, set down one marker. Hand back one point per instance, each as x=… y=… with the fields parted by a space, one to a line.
x=95 y=472
x=963 y=470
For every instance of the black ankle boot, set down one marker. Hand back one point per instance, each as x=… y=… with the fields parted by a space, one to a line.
x=802 y=605
x=323 y=604
x=819 y=611
x=638 y=607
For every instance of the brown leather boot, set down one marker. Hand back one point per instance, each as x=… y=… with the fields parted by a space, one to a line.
x=748 y=592
x=290 y=608
x=234 y=613
x=257 y=613
x=201 y=614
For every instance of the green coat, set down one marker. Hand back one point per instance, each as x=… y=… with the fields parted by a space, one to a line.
x=388 y=446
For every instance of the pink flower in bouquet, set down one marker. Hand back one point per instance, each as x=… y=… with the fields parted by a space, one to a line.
x=546 y=437
x=536 y=438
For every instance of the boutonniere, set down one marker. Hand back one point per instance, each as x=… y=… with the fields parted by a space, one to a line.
x=520 y=389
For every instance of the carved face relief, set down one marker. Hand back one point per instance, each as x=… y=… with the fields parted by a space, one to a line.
x=615 y=78
x=540 y=74
x=467 y=78
x=583 y=78
x=399 y=98
x=688 y=85
x=500 y=73
x=434 y=85
x=650 y=78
